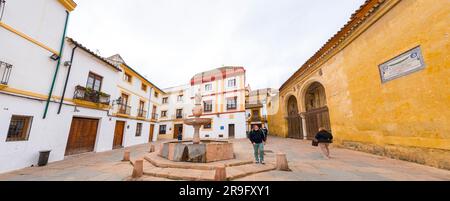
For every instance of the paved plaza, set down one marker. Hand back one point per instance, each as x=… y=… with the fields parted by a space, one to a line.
x=305 y=161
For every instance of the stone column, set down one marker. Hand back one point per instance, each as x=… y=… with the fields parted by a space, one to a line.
x=305 y=134
x=196 y=134
x=281 y=162
x=126 y=156
x=152 y=148
x=138 y=169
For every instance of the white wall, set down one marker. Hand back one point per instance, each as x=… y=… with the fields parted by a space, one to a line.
x=50 y=133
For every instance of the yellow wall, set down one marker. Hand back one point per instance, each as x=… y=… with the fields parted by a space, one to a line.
x=406 y=118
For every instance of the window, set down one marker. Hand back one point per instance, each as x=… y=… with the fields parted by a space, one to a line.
x=144 y=87
x=94 y=82
x=165 y=100
x=156 y=94
x=207 y=126
x=180 y=98
x=163 y=113
x=232 y=83
x=162 y=129
x=208 y=87
x=141 y=111
x=138 y=129
x=141 y=105
x=207 y=106
x=19 y=128
x=179 y=113
x=123 y=106
x=2 y=8
x=124 y=99
x=231 y=103
x=127 y=77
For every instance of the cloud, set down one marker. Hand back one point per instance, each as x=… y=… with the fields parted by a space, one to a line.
x=171 y=40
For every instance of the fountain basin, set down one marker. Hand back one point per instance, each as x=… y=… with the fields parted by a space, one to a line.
x=205 y=152
x=197 y=121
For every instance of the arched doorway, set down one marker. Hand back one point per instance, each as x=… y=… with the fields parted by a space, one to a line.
x=294 y=119
x=316 y=114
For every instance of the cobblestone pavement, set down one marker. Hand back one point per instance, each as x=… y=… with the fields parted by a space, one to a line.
x=305 y=161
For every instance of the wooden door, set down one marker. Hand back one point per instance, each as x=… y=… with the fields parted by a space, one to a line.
x=294 y=119
x=231 y=131
x=152 y=129
x=295 y=127
x=315 y=119
x=118 y=134
x=82 y=136
x=178 y=128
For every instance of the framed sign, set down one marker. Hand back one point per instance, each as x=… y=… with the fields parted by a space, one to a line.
x=407 y=63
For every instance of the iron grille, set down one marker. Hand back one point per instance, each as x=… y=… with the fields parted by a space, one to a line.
x=5 y=70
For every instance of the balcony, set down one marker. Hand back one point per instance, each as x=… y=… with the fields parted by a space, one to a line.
x=123 y=110
x=179 y=116
x=5 y=72
x=142 y=114
x=91 y=98
x=155 y=117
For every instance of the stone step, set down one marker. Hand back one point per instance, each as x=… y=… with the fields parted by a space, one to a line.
x=233 y=172
x=249 y=169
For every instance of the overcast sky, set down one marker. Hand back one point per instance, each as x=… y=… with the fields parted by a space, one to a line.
x=171 y=40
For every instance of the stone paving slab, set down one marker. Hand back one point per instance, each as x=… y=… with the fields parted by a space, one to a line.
x=305 y=161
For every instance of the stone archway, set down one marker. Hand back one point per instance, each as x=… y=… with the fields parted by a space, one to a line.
x=316 y=114
x=294 y=119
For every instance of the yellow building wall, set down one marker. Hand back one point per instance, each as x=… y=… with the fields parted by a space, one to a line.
x=406 y=118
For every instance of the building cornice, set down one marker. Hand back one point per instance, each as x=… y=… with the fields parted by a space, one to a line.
x=70 y=5
x=361 y=20
x=26 y=37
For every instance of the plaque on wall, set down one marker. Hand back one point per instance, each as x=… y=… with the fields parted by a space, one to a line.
x=407 y=63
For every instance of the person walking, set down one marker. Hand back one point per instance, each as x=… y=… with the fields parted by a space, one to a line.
x=256 y=137
x=265 y=132
x=324 y=138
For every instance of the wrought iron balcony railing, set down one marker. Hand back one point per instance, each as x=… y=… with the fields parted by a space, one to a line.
x=179 y=116
x=123 y=109
x=87 y=94
x=5 y=72
x=141 y=113
x=155 y=116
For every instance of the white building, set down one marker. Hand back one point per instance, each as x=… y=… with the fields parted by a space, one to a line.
x=176 y=105
x=223 y=92
x=139 y=106
x=31 y=41
x=58 y=95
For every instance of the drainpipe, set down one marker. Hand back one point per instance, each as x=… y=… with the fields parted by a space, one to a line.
x=57 y=66
x=67 y=79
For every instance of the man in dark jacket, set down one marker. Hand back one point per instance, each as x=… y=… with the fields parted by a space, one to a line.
x=325 y=139
x=256 y=136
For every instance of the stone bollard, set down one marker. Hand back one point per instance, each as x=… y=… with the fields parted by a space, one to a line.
x=126 y=155
x=282 y=163
x=138 y=169
x=152 y=148
x=221 y=174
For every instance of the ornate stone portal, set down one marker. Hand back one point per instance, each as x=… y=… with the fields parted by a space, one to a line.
x=199 y=151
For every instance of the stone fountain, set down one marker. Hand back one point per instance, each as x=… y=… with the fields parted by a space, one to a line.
x=196 y=150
